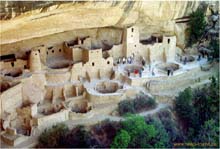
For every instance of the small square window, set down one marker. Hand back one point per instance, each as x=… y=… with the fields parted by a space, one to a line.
x=12 y=64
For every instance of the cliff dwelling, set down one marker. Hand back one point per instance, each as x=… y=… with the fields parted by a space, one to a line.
x=75 y=66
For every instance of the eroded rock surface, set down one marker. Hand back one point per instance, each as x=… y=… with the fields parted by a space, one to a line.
x=25 y=25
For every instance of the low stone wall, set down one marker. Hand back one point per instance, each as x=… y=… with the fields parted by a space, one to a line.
x=104 y=98
x=179 y=81
x=78 y=116
x=143 y=81
x=58 y=77
x=11 y=138
x=50 y=120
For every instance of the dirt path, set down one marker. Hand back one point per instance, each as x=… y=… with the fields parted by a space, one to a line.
x=101 y=117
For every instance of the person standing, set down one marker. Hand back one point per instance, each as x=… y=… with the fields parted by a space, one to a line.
x=153 y=74
x=140 y=73
x=185 y=60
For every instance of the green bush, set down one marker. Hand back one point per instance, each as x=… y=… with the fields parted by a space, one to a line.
x=121 y=140
x=53 y=137
x=141 y=134
x=143 y=102
x=126 y=106
x=140 y=103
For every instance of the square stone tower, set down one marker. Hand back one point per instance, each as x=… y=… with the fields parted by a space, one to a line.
x=130 y=41
x=169 y=44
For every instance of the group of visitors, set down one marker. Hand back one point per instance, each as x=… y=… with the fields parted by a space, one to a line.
x=170 y=72
x=124 y=60
x=183 y=60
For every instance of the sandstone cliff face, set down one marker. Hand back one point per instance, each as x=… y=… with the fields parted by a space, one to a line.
x=54 y=23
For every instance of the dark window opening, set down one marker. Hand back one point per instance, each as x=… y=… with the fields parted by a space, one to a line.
x=12 y=64
x=8 y=58
x=52 y=51
x=35 y=53
x=168 y=40
x=39 y=50
x=134 y=45
x=47 y=53
x=49 y=48
x=59 y=50
x=25 y=67
x=93 y=64
x=108 y=62
x=132 y=29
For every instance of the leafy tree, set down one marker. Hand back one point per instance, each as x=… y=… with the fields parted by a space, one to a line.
x=53 y=137
x=209 y=133
x=206 y=101
x=186 y=112
x=184 y=105
x=214 y=46
x=139 y=131
x=161 y=139
x=195 y=109
x=197 y=25
x=171 y=126
x=121 y=140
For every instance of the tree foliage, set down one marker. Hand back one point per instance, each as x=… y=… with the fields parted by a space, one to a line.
x=53 y=137
x=197 y=25
x=161 y=140
x=77 y=137
x=209 y=132
x=121 y=140
x=141 y=134
x=199 y=111
x=184 y=108
x=214 y=46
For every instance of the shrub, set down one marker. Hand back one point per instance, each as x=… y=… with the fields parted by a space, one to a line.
x=126 y=106
x=77 y=138
x=121 y=140
x=140 y=103
x=105 y=132
x=143 y=102
x=53 y=137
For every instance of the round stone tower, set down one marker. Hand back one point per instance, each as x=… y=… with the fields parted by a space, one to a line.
x=34 y=61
